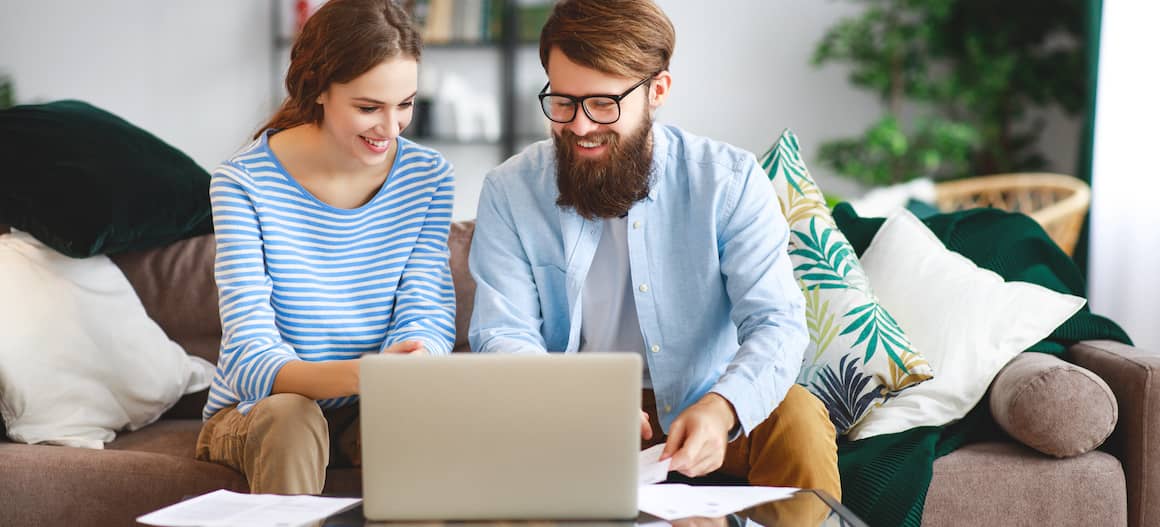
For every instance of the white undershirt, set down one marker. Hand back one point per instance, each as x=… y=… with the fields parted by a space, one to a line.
x=608 y=318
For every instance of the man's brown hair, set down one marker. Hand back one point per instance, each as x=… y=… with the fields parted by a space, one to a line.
x=626 y=38
x=343 y=40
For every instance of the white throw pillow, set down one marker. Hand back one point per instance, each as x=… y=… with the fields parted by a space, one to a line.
x=79 y=357
x=967 y=320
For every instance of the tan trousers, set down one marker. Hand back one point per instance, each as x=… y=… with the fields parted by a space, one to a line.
x=284 y=444
x=794 y=447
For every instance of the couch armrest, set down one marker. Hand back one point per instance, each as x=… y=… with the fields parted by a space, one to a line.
x=1134 y=376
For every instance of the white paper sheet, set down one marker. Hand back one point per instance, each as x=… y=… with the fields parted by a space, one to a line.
x=674 y=501
x=652 y=469
x=222 y=508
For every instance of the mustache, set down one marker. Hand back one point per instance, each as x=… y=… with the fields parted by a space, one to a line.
x=571 y=139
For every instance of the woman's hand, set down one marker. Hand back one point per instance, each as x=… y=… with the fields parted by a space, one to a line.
x=412 y=347
x=318 y=380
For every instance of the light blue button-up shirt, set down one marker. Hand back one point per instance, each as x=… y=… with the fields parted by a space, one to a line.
x=714 y=290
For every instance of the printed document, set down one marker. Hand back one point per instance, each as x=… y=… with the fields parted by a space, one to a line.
x=222 y=508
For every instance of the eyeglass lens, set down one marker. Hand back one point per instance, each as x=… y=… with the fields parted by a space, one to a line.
x=602 y=110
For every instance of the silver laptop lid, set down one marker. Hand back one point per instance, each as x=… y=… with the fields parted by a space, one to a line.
x=475 y=437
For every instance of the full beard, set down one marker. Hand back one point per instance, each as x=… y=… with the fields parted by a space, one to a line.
x=608 y=187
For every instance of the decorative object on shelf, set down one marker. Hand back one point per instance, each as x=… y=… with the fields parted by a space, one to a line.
x=289 y=16
x=1057 y=202
x=459 y=111
x=302 y=10
x=974 y=66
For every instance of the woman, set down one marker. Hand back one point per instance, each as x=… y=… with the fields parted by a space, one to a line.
x=331 y=243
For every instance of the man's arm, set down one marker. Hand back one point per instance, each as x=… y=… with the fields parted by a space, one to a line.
x=506 y=316
x=768 y=306
x=768 y=309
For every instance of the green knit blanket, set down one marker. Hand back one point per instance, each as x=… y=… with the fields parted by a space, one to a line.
x=885 y=478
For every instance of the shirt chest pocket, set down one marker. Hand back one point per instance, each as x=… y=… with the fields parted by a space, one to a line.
x=552 y=287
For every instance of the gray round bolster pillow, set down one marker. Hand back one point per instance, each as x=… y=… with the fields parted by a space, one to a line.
x=1053 y=406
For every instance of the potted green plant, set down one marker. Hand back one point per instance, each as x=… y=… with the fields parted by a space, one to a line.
x=972 y=70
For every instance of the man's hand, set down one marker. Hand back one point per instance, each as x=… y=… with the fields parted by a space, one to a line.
x=698 y=436
x=407 y=347
x=645 y=428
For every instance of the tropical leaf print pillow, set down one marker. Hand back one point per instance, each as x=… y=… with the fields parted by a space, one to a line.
x=858 y=357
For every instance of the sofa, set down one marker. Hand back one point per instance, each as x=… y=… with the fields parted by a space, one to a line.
x=1002 y=482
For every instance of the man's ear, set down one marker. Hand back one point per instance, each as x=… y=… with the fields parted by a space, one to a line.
x=660 y=89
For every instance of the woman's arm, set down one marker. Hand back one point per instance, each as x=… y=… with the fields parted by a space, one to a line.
x=253 y=351
x=425 y=299
x=328 y=379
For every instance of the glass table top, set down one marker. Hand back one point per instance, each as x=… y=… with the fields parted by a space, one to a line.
x=809 y=508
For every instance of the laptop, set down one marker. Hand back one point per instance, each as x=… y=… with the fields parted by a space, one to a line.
x=500 y=437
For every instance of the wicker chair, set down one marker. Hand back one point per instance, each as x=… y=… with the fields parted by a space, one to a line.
x=1058 y=202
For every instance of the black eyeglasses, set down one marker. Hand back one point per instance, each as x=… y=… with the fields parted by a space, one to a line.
x=600 y=109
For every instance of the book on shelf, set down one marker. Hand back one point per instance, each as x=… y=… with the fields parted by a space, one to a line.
x=452 y=21
x=531 y=18
x=476 y=21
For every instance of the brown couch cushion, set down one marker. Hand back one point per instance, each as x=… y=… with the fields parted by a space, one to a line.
x=52 y=485
x=175 y=283
x=459 y=242
x=1053 y=406
x=1009 y=484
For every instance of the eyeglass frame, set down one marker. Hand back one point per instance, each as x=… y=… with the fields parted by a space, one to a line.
x=579 y=101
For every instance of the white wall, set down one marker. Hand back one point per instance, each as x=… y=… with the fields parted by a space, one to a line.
x=198 y=74
x=742 y=74
x=1125 y=246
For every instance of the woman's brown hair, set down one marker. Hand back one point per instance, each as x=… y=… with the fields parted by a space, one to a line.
x=341 y=41
x=626 y=38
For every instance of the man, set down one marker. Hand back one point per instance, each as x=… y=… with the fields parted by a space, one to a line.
x=621 y=234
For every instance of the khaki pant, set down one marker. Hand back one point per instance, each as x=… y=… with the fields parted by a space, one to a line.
x=794 y=447
x=284 y=444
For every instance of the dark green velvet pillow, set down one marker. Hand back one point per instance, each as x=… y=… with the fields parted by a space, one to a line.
x=86 y=182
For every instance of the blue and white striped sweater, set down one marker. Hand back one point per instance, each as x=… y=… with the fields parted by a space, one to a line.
x=300 y=279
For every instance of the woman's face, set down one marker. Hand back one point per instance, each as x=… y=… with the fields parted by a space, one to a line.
x=364 y=117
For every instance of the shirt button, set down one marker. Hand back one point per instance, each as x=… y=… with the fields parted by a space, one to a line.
x=636 y=224
x=668 y=409
x=643 y=288
x=656 y=348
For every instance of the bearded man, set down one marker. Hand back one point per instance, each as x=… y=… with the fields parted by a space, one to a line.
x=621 y=234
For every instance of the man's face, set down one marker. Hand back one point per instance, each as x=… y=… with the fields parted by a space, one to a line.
x=602 y=169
